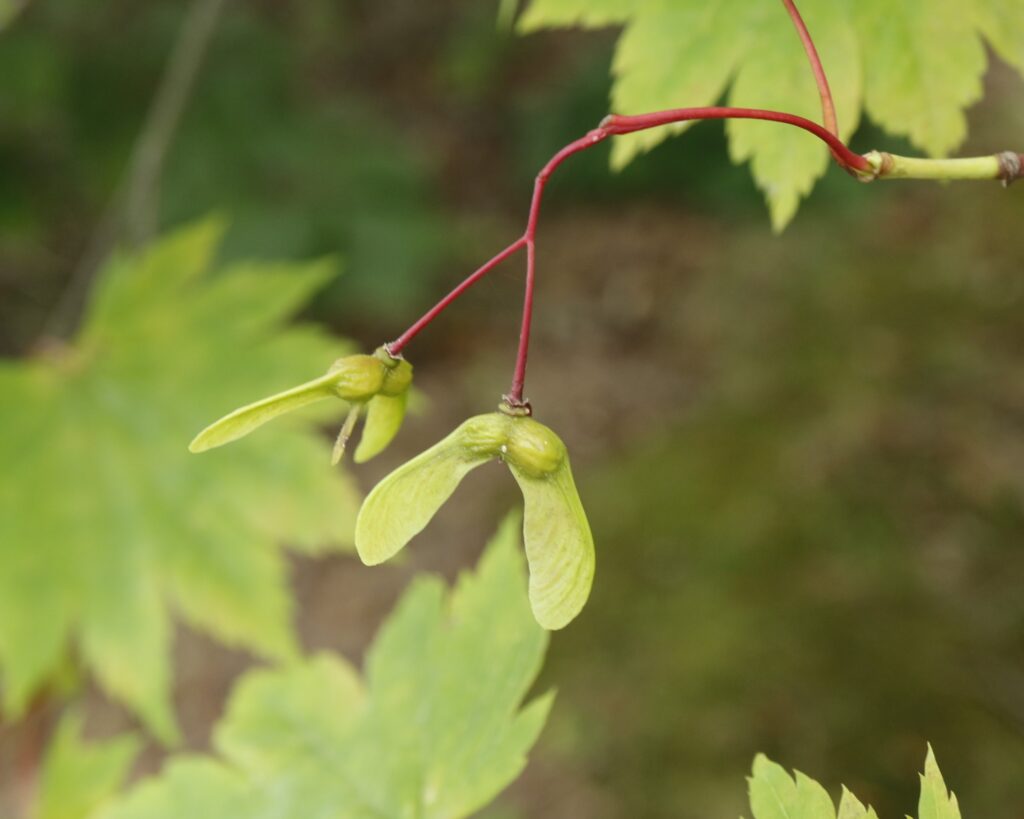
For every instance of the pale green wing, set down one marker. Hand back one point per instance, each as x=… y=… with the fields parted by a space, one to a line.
x=384 y=415
x=402 y=504
x=559 y=546
x=244 y=420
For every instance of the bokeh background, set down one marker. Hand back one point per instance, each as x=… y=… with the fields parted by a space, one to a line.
x=803 y=456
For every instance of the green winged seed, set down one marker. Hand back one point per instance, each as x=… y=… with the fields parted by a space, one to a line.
x=358 y=379
x=242 y=421
x=559 y=544
x=400 y=506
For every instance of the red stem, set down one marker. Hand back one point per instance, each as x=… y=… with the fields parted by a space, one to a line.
x=847 y=159
x=828 y=107
x=395 y=347
x=612 y=125
x=515 y=393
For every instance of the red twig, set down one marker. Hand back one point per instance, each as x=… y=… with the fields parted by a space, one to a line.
x=847 y=159
x=828 y=107
x=515 y=393
x=395 y=347
x=612 y=125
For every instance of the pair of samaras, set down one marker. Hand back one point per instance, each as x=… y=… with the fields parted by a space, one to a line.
x=559 y=545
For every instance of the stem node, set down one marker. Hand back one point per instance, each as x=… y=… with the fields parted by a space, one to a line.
x=1011 y=167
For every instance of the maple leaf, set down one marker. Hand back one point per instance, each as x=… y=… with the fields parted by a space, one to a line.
x=106 y=520
x=77 y=777
x=435 y=730
x=774 y=794
x=913 y=65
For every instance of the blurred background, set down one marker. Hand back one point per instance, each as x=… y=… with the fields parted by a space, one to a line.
x=802 y=456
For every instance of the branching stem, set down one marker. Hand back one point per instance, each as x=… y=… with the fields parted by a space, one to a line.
x=1006 y=166
x=395 y=347
x=610 y=126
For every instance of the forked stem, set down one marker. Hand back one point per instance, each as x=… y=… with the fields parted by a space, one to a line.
x=1006 y=166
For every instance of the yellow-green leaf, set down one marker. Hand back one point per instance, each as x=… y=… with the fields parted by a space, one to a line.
x=1002 y=22
x=559 y=545
x=923 y=63
x=683 y=52
x=112 y=524
x=577 y=12
x=775 y=74
x=936 y=801
x=435 y=729
x=850 y=807
x=915 y=65
x=775 y=795
x=78 y=777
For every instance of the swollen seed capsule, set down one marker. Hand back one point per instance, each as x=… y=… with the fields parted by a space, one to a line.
x=485 y=435
x=397 y=377
x=533 y=448
x=357 y=377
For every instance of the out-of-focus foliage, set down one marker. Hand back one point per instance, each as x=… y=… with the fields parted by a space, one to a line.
x=913 y=65
x=106 y=520
x=281 y=132
x=79 y=776
x=775 y=795
x=436 y=730
x=8 y=10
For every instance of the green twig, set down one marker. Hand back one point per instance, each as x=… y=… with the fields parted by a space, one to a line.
x=1006 y=166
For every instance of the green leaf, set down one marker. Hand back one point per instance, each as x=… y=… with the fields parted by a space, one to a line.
x=923 y=63
x=403 y=503
x=850 y=807
x=77 y=776
x=914 y=65
x=111 y=522
x=774 y=794
x=577 y=12
x=1002 y=23
x=936 y=801
x=436 y=731
x=683 y=51
x=272 y=713
x=775 y=74
x=9 y=9
x=189 y=786
x=559 y=545
x=384 y=416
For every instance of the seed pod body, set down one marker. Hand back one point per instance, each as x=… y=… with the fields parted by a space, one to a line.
x=484 y=435
x=397 y=374
x=357 y=377
x=533 y=448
